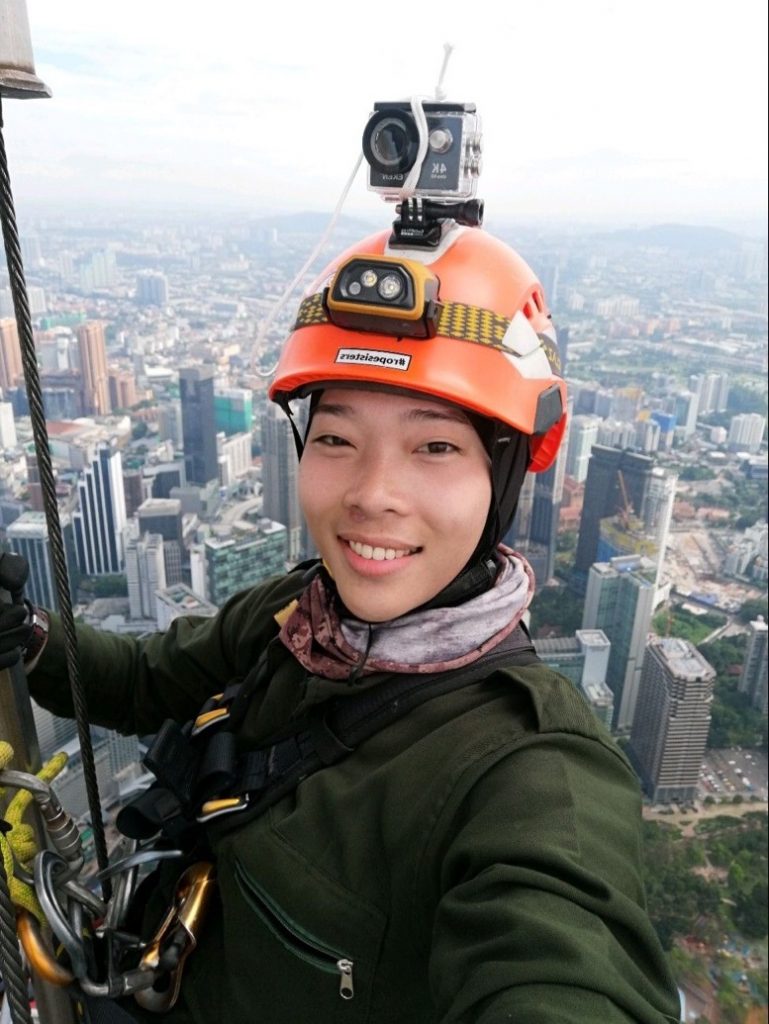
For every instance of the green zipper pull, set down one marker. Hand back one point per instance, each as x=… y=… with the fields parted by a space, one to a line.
x=345 y=978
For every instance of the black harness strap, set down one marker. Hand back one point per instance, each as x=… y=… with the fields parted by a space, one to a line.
x=202 y=779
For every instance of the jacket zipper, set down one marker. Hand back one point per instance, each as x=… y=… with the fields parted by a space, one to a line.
x=305 y=946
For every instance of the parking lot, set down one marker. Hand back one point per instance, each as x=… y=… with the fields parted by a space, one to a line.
x=725 y=773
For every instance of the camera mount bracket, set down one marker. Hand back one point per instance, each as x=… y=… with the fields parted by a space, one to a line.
x=419 y=222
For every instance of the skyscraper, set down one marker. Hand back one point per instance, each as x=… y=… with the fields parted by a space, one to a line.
x=670 y=728
x=10 y=354
x=93 y=366
x=620 y=601
x=151 y=288
x=535 y=533
x=583 y=658
x=233 y=409
x=279 y=477
x=8 y=437
x=746 y=432
x=196 y=390
x=582 y=437
x=28 y=536
x=753 y=679
x=617 y=482
x=145 y=573
x=163 y=516
x=101 y=516
x=242 y=560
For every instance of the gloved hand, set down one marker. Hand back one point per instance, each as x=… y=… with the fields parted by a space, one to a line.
x=15 y=629
x=15 y=632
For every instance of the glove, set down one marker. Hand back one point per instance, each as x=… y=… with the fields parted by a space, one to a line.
x=15 y=632
x=15 y=629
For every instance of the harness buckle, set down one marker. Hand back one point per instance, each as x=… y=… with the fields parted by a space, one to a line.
x=211 y=715
x=176 y=937
x=223 y=805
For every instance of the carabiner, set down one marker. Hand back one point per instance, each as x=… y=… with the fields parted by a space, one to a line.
x=177 y=936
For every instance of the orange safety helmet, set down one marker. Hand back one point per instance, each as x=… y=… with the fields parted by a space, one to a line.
x=466 y=323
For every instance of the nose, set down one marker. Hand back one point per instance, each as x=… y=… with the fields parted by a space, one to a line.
x=375 y=487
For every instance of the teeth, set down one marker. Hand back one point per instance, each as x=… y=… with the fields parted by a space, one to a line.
x=377 y=554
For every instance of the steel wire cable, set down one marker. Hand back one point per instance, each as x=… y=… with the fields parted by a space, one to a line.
x=13 y=972
x=50 y=504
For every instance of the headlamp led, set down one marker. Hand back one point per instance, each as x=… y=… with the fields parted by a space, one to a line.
x=384 y=295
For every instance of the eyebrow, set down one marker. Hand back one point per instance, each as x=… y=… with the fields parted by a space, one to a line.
x=419 y=414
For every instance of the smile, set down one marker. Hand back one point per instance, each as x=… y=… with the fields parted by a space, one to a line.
x=379 y=554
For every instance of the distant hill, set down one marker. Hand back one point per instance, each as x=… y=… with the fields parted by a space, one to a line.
x=701 y=240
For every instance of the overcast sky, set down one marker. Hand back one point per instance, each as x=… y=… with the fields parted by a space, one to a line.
x=593 y=110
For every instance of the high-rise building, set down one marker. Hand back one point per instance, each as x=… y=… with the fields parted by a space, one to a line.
x=145 y=573
x=234 y=458
x=583 y=658
x=746 y=432
x=657 y=510
x=196 y=389
x=670 y=728
x=97 y=270
x=101 y=516
x=686 y=411
x=620 y=601
x=151 y=288
x=279 y=477
x=242 y=560
x=613 y=433
x=163 y=517
x=93 y=366
x=647 y=435
x=753 y=678
x=170 y=423
x=122 y=389
x=535 y=532
x=10 y=354
x=713 y=392
x=7 y=426
x=582 y=437
x=617 y=483
x=28 y=536
x=233 y=410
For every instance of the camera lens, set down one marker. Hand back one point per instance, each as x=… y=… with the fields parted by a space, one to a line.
x=390 y=143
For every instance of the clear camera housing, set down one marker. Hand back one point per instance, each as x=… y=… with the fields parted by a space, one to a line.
x=452 y=162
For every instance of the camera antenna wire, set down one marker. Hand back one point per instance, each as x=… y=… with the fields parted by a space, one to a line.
x=408 y=189
x=266 y=324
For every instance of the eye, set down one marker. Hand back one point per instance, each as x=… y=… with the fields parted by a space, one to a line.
x=330 y=440
x=438 y=448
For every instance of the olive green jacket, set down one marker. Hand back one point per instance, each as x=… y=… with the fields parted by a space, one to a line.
x=477 y=861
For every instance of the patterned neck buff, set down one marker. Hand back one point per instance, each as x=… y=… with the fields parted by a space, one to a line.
x=423 y=641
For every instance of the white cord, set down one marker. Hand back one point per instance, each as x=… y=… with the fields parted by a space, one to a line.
x=440 y=92
x=409 y=186
x=408 y=189
x=267 y=324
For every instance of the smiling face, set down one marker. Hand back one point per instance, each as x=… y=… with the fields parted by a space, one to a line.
x=395 y=491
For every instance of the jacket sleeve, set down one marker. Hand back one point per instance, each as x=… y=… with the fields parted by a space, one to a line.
x=540 y=908
x=133 y=685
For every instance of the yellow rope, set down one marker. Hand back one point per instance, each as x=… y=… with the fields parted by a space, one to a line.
x=19 y=844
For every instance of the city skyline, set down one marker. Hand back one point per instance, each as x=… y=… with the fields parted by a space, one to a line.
x=604 y=113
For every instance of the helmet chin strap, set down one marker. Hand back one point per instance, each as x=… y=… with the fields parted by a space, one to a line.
x=509 y=454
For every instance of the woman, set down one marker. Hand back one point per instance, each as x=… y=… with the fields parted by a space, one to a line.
x=477 y=858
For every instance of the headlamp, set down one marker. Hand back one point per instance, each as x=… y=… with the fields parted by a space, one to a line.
x=384 y=295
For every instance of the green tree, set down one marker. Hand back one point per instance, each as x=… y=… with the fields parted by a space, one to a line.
x=556 y=610
x=752 y=608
